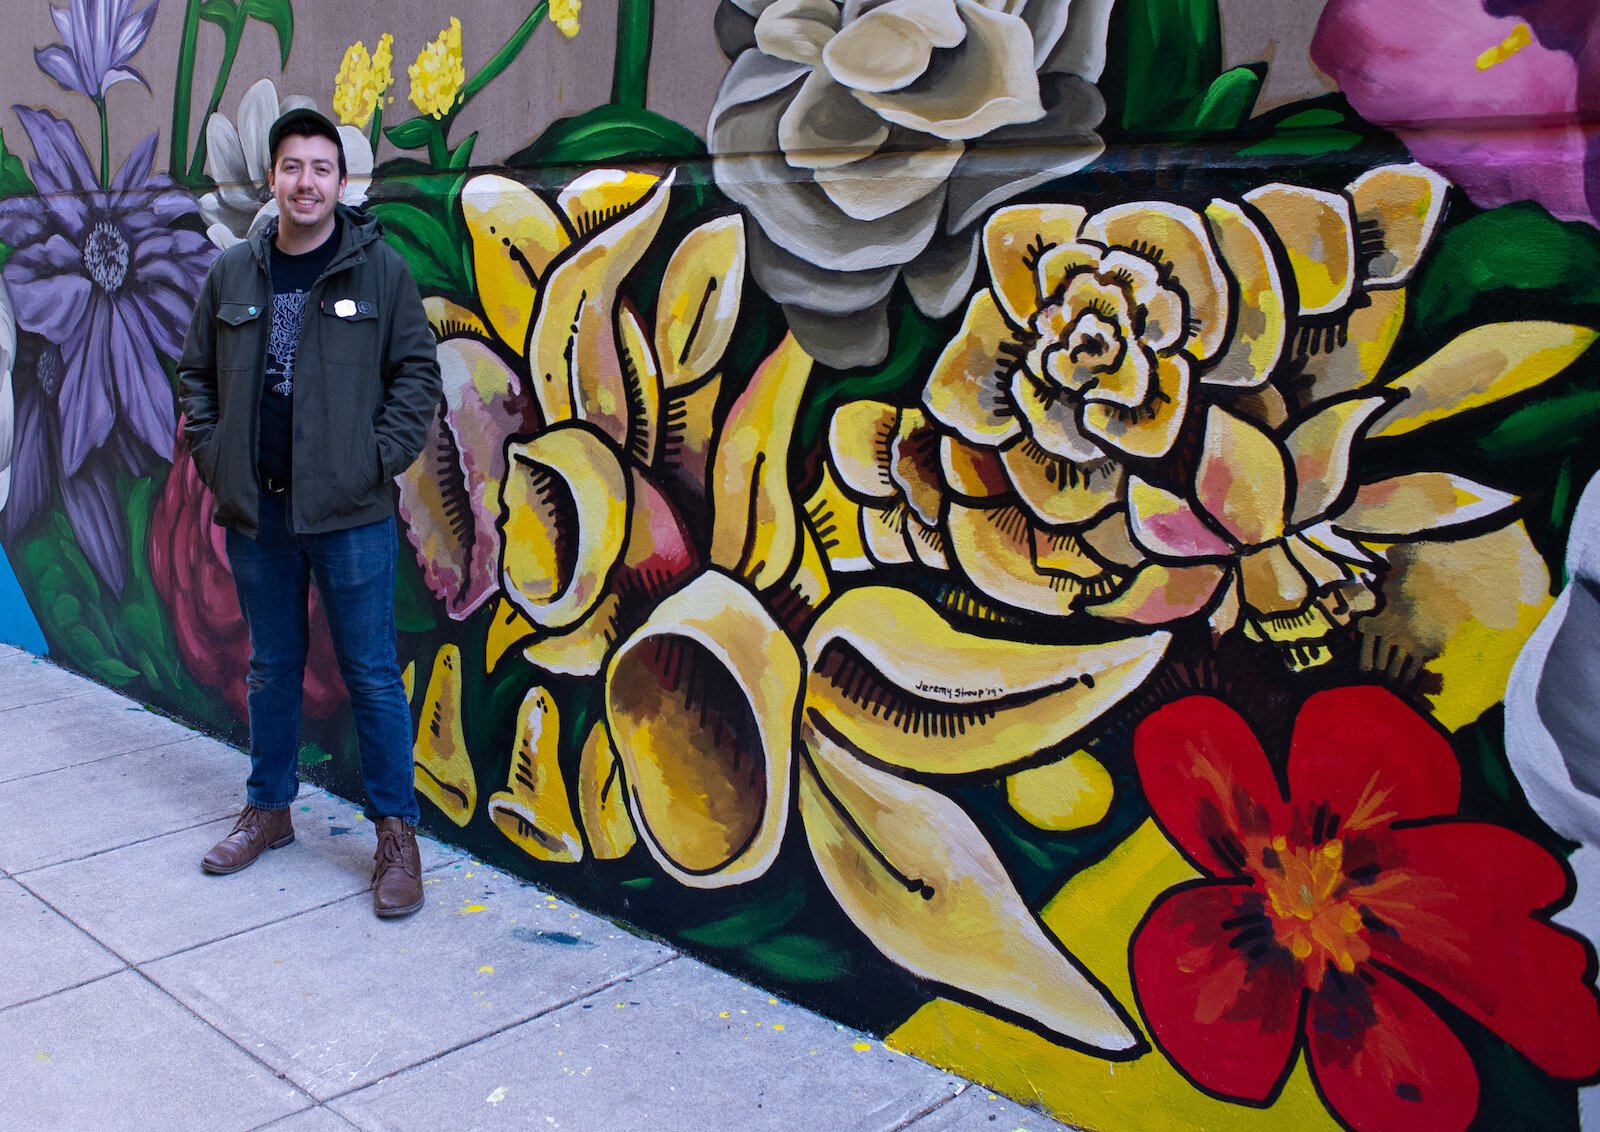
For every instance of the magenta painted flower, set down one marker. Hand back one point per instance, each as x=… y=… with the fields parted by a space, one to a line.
x=189 y=566
x=107 y=279
x=1501 y=96
x=98 y=37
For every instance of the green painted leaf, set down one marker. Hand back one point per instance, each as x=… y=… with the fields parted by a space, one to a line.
x=800 y=958
x=914 y=344
x=1313 y=119
x=223 y=13
x=1518 y=254
x=313 y=755
x=14 y=179
x=434 y=253
x=279 y=15
x=1162 y=56
x=1227 y=103
x=749 y=924
x=1304 y=143
x=1548 y=429
x=610 y=133
x=461 y=156
x=412 y=133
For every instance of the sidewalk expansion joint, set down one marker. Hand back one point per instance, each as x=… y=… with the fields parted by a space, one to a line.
x=546 y=1012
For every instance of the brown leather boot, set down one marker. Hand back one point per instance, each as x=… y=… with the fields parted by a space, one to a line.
x=255 y=832
x=397 y=870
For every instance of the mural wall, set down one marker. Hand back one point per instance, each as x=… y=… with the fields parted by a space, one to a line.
x=1011 y=522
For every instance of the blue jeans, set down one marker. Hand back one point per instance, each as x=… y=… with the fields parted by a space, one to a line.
x=354 y=571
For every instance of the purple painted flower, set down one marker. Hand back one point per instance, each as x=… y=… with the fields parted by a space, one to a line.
x=104 y=279
x=98 y=37
x=1501 y=96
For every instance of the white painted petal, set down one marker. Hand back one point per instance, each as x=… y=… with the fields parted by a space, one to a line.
x=987 y=83
x=884 y=183
x=825 y=126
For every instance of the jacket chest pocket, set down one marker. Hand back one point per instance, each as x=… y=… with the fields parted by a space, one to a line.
x=237 y=323
x=349 y=330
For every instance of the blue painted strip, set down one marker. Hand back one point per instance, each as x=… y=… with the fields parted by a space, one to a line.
x=18 y=626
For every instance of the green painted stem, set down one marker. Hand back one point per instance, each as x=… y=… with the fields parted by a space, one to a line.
x=375 y=131
x=438 y=149
x=105 y=145
x=502 y=58
x=630 y=81
x=182 y=90
x=230 y=52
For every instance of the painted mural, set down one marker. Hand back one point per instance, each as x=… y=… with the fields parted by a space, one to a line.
x=1010 y=529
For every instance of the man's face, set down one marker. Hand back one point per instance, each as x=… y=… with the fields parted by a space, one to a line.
x=306 y=184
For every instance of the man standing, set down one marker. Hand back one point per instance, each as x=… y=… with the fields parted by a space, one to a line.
x=309 y=381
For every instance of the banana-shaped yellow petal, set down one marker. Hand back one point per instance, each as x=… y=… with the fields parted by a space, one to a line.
x=700 y=704
x=754 y=528
x=564 y=518
x=515 y=235
x=442 y=766
x=1484 y=365
x=917 y=876
x=508 y=629
x=602 y=798
x=642 y=385
x=888 y=675
x=687 y=430
x=449 y=319
x=836 y=520
x=1317 y=230
x=699 y=303
x=572 y=345
x=533 y=810
x=579 y=649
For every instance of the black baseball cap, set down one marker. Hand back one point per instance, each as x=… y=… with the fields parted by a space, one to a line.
x=303 y=121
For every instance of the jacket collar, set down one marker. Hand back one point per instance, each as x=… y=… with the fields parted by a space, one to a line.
x=357 y=229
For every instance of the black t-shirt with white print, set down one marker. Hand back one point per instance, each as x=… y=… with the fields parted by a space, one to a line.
x=292 y=279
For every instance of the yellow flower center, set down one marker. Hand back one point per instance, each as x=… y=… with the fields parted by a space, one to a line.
x=1310 y=911
x=437 y=75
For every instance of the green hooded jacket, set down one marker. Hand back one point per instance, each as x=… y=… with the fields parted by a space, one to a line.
x=366 y=381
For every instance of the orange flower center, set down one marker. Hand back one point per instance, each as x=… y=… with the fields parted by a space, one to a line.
x=1311 y=914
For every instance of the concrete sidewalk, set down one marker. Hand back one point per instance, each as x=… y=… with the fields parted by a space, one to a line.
x=138 y=992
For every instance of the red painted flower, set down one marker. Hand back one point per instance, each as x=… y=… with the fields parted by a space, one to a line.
x=1323 y=915
x=189 y=566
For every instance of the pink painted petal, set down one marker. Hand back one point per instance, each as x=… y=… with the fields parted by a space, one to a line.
x=1165 y=525
x=1445 y=63
x=1159 y=595
x=1242 y=481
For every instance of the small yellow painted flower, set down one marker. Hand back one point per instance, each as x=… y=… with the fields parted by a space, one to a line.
x=436 y=76
x=362 y=80
x=564 y=14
